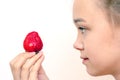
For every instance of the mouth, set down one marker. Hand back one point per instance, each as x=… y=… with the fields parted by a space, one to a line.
x=84 y=59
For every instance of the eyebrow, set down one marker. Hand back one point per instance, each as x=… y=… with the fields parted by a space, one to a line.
x=79 y=20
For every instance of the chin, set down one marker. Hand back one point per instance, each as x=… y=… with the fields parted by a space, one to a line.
x=95 y=74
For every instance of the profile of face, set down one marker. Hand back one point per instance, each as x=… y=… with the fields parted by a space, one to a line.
x=97 y=40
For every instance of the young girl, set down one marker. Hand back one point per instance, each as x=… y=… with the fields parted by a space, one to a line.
x=98 y=40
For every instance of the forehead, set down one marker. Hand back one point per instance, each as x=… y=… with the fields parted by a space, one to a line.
x=81 y=7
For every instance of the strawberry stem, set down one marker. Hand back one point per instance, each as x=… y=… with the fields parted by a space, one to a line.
x=36 y=52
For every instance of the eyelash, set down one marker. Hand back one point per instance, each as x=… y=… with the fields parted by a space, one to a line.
x=82 y=29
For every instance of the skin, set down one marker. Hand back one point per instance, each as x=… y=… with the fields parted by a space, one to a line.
x=28 y=66
x=98 y=40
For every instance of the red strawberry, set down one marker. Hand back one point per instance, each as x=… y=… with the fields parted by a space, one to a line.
x=32 y=42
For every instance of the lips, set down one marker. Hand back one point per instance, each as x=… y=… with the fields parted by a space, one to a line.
x=85 y=59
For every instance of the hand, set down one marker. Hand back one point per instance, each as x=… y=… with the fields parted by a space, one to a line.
x=27 y=66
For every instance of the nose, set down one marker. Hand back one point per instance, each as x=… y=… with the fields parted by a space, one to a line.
x=78 y=45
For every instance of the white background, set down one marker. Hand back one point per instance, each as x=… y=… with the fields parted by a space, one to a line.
x=53 y=20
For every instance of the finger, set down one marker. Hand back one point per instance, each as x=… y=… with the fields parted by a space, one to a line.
x=17 y=62
x=42 y=75
x=41 y=70
x=27 y=66
x=35 y=69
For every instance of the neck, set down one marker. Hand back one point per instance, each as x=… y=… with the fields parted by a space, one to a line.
x=117 y=76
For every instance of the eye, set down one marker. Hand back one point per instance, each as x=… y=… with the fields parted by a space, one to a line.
x=82 y=29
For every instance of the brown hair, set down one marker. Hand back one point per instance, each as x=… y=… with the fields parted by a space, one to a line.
x=112 y=7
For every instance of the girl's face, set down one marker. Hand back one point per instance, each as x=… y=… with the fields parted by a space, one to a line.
x=98 y=40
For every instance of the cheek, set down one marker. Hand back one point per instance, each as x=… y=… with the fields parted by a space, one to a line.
x=103 y=55
x=98 y=46
x=97 y=41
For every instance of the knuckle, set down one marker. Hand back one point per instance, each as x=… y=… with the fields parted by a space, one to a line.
x=24 y=56
x=15 y=66
x=33 y=71
x=11 y=63
x=25 y=67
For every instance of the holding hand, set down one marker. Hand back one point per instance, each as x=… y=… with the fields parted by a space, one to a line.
x=27 y=66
